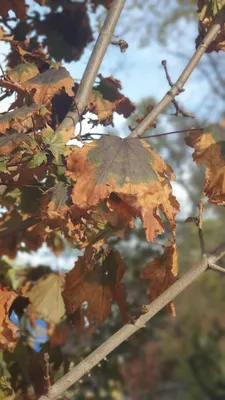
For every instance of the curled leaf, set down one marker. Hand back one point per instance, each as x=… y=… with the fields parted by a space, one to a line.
x=162 y=273
x=8 y=330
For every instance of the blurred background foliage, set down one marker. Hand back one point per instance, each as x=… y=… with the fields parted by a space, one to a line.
x=178 y=358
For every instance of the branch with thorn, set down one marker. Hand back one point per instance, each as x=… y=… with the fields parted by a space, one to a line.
x=179 y=110
x=179 y=84
x=47 y=370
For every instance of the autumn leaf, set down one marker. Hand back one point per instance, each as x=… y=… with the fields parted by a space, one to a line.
x=96 y=3
x=45 y=85
x=130 y=169
x=8 y=330
x=95 y=280
x=58 y=201
x=162 y=273
x=67 y=31
x=106 y=99
x=23 y=72
x=18 y=6
x=208 y=10
x=11 y=141
x=4 y=36
x=22 y=118
x=46 y=300
x=210 y=151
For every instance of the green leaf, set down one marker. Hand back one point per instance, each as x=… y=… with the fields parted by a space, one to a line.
x=37 y=160
x=55 y=143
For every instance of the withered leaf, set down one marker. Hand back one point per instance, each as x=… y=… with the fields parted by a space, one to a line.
x=46 y=299
x=106 y=99
x=45 y=85
x=20 y=119
x=130 y=169
x=163 y=273
x=5 y=36
x=8 y=330
x=208 y=9
x=11 y=141
x=95 y=280
x=23 y=72
x=96 y=3
x=59 y=200
x=66 y=32
x=210 y=151
x=18 y=6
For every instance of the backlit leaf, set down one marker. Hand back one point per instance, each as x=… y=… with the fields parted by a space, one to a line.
x=54 y=142
x=37 y=160
x=11 y=141
x=45 y=85
x=18 y=6
x=46 y=300
x=208 y=10
x=8 y=330
x=106 y=99
x=20 y=119
x=23 y=72
x=94 y=281
x=162 y=273
x=210 y=151
x=130 y=169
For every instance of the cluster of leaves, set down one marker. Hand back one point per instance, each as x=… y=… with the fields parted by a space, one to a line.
x=208 y=10
x=52 y=192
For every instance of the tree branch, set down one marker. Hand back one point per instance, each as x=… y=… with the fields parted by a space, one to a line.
x=91 y=70
x=177 y=87
x=127 y=330
x=215 y=267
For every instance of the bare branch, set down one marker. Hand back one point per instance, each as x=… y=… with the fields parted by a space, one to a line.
x=47 y=370
x=215 y=267
x=126 y=331
x=199 y=224
x=92 y=68
x=177 y=87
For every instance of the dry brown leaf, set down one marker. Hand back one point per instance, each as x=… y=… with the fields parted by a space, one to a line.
x=163 y=273
x=106 y=99
x=18 y=6
x=23 y=72
x=5 y=36
x=210 y=151
x=45 y=85
x=46 y=299
x=8 y=330
x=94 y=281
x=208 y=10
x=130 y=169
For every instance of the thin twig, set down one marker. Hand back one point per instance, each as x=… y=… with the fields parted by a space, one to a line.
x=180 y=110
x=130 y=328
x=185 y=131
x=175 y=90
x=91 y=70
x=47 y=370
x=199 y=224
x=215 y=267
